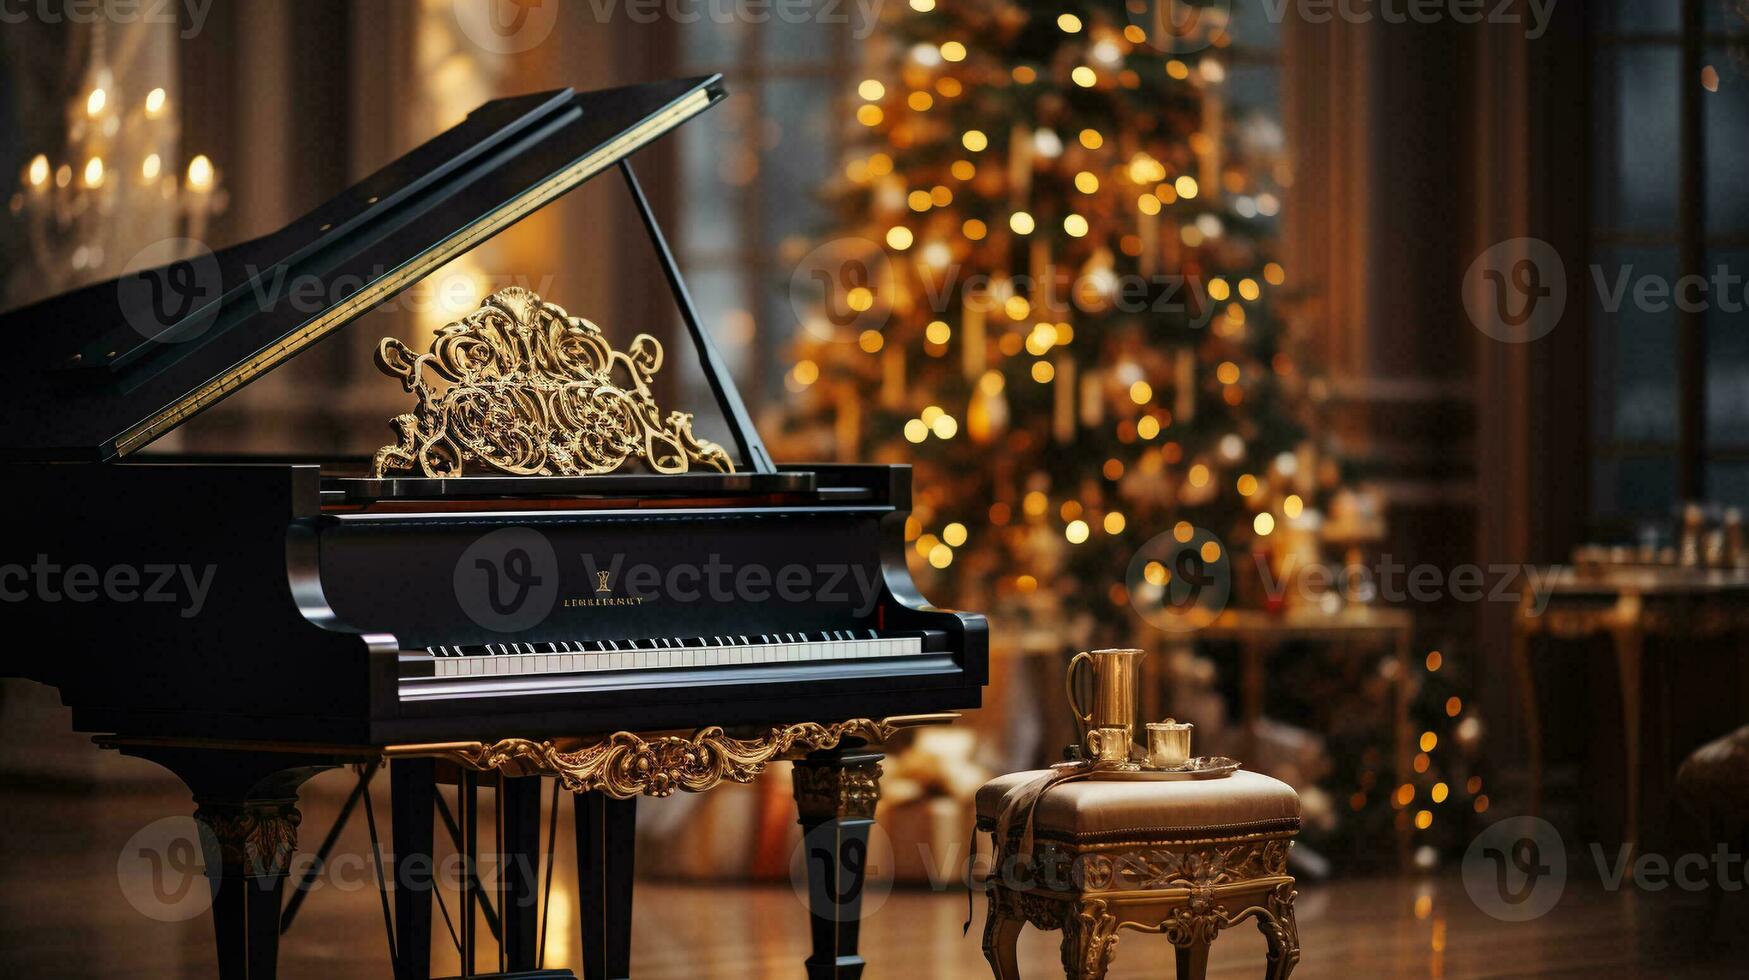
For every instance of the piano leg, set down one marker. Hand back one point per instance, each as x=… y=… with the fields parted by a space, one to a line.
x=835 y=797
x=247 y=802
x=412 y=803
x=519 y=895
x=251 y=880
x=606 y=836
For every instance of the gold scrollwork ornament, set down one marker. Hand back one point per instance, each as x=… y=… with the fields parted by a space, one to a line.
x=529 y=390
x=626 y=764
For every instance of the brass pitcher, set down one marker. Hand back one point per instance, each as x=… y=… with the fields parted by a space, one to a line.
x=1114 y=690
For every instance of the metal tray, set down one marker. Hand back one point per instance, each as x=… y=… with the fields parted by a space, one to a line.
x=1199 y=767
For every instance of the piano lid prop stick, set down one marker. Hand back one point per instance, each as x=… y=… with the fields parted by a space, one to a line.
x=716 y=372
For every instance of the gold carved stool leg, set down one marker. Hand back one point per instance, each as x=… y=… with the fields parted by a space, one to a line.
x=1089 y=938
x=1193 y=960
x=1002 y=932
x=1280 y=931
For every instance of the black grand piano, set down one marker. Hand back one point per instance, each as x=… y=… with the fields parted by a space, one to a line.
x=544 y=575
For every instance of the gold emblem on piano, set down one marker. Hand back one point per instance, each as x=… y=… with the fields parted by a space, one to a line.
x=531 y=391
x=601 y=582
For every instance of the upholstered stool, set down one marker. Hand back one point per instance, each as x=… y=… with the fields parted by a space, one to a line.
x=1185 y=858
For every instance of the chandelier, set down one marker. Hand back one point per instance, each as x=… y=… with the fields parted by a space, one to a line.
x=115 y=186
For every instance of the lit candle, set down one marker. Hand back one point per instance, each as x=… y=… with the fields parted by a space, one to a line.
x=200 y=174
x=1148 y=230
x=1184 y=383
x=972 y=355
x=1063 y=418
x=1019 y=167
x=892 y=376
x=848 y=430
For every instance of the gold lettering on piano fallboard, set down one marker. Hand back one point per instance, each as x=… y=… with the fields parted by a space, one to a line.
x=521 y=387
x=613 y=600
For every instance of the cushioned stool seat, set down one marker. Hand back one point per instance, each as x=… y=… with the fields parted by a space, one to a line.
x=1186 y=858
x=1245 y=802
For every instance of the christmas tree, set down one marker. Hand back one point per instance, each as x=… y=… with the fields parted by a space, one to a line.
x=1052 y=289
x=1053 y=292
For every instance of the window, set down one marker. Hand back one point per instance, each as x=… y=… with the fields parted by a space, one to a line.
x=1670 y=378
x=752 y=174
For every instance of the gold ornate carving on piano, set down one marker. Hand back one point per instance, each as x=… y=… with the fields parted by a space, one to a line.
x=624 y=764
x=530 y=391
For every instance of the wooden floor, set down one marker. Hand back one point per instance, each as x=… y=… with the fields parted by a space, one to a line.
x=62 y=913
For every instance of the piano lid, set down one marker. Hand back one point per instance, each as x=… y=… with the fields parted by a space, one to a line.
x=104 y=370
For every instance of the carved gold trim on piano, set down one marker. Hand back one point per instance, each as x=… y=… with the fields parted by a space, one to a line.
x=520 y=387
x=625 y=764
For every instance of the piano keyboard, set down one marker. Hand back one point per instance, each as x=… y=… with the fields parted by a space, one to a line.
x=510 y=659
